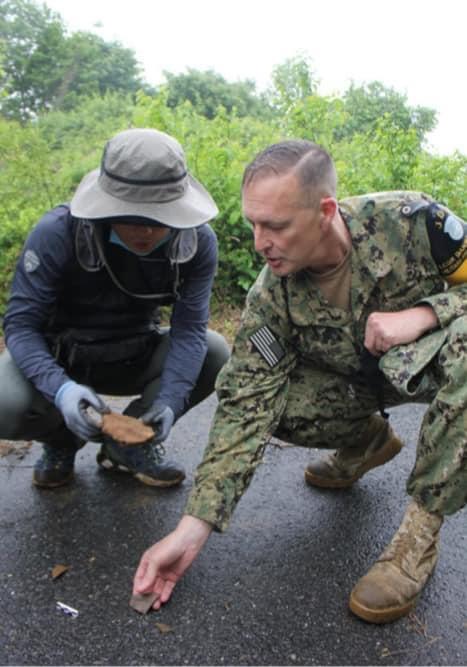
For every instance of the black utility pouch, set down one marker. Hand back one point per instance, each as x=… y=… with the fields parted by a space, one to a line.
x=75 y=347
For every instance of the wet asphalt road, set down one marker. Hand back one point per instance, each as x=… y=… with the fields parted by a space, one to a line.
x=271 y=591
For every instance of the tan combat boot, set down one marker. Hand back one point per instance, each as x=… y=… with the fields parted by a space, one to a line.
x=391 y=587
x=343 y=467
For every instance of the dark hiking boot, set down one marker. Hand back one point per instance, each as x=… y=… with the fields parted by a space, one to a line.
x=145 y=462
x=345 y=466
x=392 y=586
x=55 y=466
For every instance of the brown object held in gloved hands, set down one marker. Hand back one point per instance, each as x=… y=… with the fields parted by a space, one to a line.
x=126 y=430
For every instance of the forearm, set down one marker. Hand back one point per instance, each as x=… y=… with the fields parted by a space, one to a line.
x=188 y=331
x=185 y=357
x=33 y=300
x=239 y=434
x=252 y=399
x=194 y=529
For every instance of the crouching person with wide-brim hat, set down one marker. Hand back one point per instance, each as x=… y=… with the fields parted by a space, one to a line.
x=83 y=313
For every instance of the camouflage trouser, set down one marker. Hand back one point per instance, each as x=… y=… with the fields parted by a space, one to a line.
x=326 y=410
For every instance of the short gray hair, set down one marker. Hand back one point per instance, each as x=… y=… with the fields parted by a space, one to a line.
x=312 y=164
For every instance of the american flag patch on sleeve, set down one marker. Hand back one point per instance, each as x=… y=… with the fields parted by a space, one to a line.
x=267 y=345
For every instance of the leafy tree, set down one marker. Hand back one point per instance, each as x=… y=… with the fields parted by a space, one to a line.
x=293 y=81
x=32 y=38
x=2 y=72
x=444 y=178
x=92 y=119
x=384 y=158
x=92 y=66
x=77 y=137
x=26 y=165
x=43 y=160
x=26 y=186
x=316 y=118
x=367 y=104
x=208 y=90
x=44 y=68
x=217 y=151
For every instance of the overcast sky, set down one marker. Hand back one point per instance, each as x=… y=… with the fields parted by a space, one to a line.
x=417 y=47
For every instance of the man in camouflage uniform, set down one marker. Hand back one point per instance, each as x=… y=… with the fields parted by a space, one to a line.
x=350 y=314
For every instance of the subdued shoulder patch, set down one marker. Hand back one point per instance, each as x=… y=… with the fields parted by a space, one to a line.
x=31 y=261
x=267 y=345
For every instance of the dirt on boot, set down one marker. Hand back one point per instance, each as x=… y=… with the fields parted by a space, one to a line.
x=391 y=588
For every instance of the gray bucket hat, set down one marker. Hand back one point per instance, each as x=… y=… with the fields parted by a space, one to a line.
x=143 y=173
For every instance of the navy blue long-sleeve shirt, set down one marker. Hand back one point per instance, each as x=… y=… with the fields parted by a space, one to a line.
x=48 y=277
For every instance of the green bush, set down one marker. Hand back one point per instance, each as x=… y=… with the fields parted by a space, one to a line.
x=43 y=160
x=217 y=151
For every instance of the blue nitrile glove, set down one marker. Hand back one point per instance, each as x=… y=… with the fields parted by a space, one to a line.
x=161 y=418
x=72 y=399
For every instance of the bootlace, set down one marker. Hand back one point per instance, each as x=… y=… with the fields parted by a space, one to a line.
x=157 y=451
x=406 y=548
x=398 y=548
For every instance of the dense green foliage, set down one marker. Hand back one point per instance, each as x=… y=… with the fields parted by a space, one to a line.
x=44 y=68
x=367 y=104
x=208 y=90
x=377 y=140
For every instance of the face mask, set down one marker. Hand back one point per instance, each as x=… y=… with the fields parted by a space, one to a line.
x=114 y=238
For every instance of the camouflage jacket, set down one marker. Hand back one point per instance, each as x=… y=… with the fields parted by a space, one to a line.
x=392 y=269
